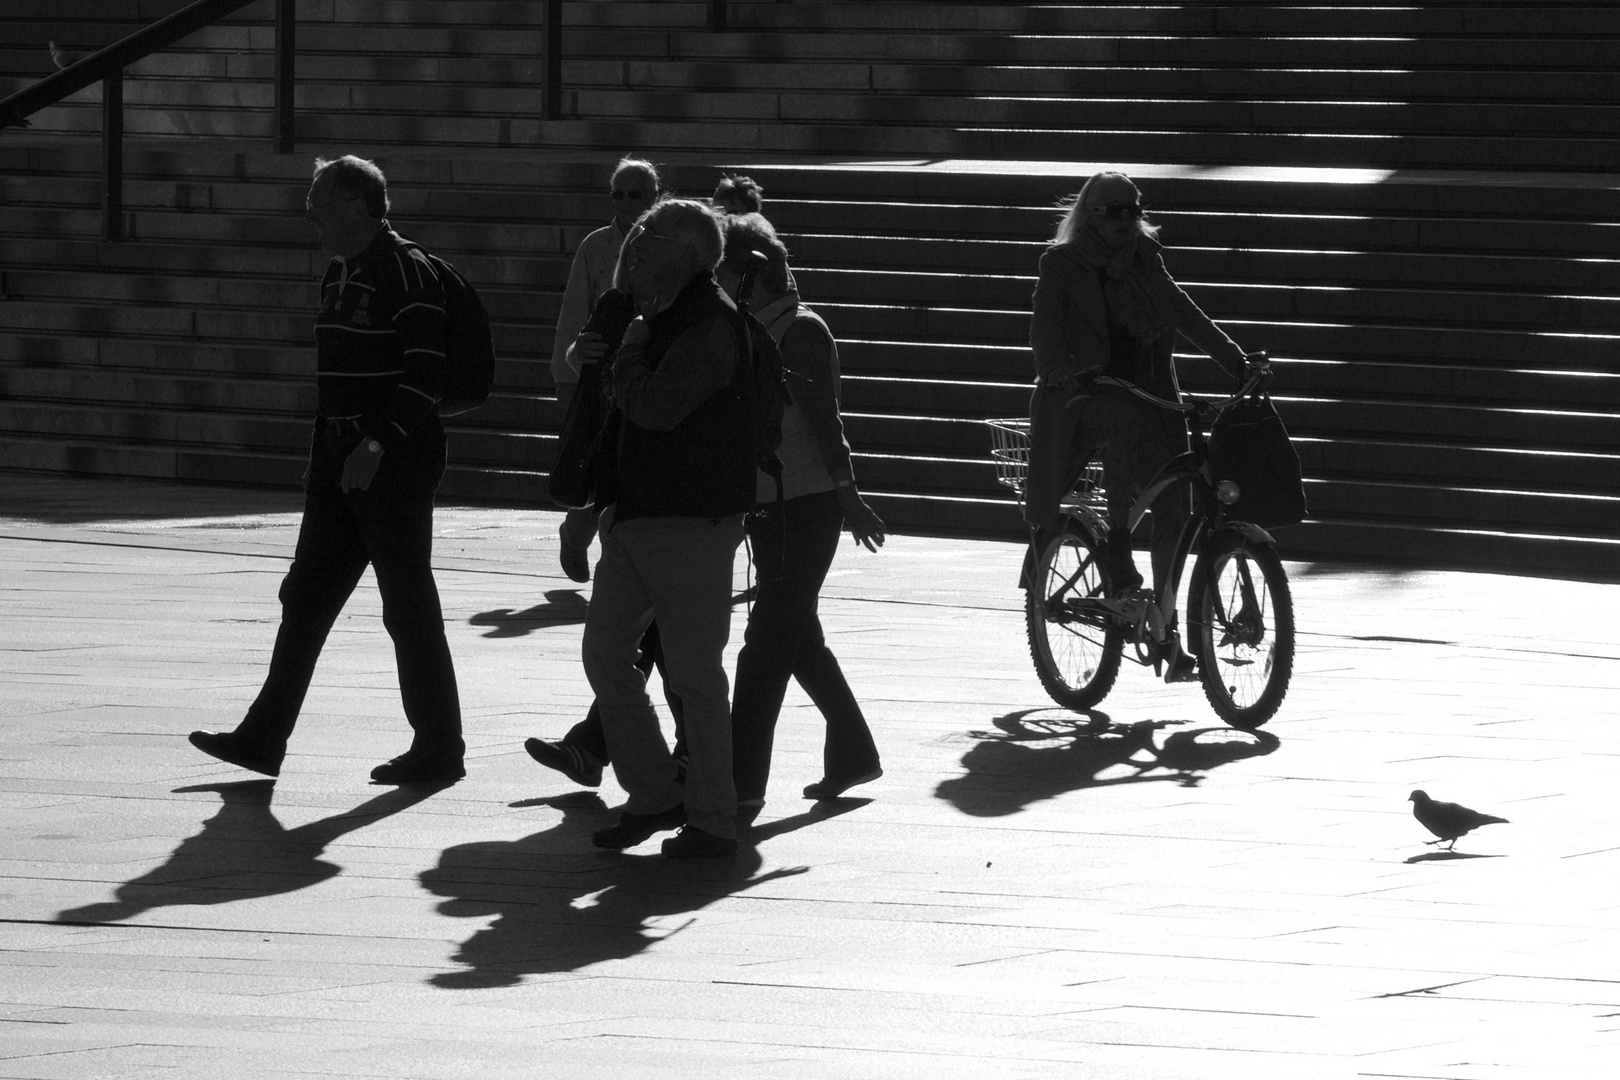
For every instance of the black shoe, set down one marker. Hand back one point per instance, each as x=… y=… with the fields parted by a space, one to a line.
x=576 y=763
x=693 y=843
x=231 y=748
x=1183 y=668
x=827 y=788
x=1123 y=576
x=632 y=829
x=419 y=767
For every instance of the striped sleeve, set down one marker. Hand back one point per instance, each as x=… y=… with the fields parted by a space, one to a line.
x=419 y=327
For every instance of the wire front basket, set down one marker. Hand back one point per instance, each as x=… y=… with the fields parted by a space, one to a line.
x=1009 y=449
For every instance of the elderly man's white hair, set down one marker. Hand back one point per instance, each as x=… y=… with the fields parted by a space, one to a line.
x=692 y=223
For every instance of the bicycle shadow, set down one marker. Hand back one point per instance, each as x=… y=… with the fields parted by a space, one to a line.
x=1039 y=754
x=563 y=607
x=243 y=853
x=558 y=904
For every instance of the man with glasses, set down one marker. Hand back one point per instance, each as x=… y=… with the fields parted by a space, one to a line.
x=376 y=458
x=634 y=189
x=683 y=477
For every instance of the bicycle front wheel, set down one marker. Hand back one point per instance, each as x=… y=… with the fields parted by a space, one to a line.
x=1241 y=622
x=1075 y=643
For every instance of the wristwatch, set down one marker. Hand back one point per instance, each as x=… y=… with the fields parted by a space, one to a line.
x=373 y=446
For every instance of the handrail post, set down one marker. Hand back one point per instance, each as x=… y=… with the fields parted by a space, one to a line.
x=551 y=46
x=286 y=67
x=112 y=156
x=717 y=15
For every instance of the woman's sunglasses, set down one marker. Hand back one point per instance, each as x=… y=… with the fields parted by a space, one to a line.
x=1117 y=213
x=633 y=194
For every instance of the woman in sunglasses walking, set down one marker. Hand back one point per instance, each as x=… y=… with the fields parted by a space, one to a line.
x=1106 y=305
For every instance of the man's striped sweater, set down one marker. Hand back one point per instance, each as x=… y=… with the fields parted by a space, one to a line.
x=379 y=339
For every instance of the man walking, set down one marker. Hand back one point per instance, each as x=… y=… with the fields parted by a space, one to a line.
x=634 y=188
x=673 y=519
x=376 y=458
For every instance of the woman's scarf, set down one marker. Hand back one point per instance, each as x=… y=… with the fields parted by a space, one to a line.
x=1136 y=286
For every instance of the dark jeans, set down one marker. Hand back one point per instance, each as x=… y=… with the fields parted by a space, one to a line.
x=587 y=734
x=793 y=548
x=390 y=528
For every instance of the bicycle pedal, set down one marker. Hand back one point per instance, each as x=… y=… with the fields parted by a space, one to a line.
x=1182 y=673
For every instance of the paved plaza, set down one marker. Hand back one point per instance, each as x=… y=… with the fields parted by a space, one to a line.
x=1027 y=892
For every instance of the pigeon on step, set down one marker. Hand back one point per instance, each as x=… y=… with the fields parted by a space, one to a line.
x=1448 y=820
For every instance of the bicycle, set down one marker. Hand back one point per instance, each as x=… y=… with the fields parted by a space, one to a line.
x=1240 y=615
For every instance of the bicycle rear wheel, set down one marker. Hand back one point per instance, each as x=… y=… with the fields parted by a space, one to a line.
x=1075 y=644
x=1241 y=621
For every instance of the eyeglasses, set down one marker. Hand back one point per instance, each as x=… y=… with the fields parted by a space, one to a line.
x=634 y=195
x=310 y=207
x=1117 y=213
x=641 y=238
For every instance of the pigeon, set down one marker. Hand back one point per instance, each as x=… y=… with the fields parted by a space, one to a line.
x=62 y=58
x=1448 y=820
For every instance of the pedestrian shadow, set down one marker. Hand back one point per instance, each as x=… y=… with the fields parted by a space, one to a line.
x=243 y=853
x=1038 y=754
x=563 y=607
x=557 y=904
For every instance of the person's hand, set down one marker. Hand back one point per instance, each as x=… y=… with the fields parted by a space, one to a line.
x=863 y=524
x=589 y=348
x=639 y=332
x=1066 y=379
x=1256 y=361
x=360 y=467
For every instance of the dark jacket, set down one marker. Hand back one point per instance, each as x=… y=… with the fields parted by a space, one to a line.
x=687 y=446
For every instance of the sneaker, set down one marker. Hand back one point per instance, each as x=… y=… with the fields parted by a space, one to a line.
x=232 y=749
x=826 y=788
x=1183 y=667
x=576 y=763
x=420 y=767
x=693 y=843
x=575 y=558
x=632 y=829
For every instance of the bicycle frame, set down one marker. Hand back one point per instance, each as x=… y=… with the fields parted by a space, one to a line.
x=1151 y=621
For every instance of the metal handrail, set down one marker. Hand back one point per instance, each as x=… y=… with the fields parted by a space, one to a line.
x=107 y=67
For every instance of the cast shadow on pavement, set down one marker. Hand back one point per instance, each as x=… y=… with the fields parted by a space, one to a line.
x=557 y=904
x=1447 y=856
x=1039 y=754
x=563 y=607
x=244 y=853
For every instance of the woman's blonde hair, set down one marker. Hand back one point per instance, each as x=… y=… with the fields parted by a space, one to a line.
x=1073 y=212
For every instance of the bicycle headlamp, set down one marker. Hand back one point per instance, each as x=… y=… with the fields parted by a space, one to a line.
x=1228 y=492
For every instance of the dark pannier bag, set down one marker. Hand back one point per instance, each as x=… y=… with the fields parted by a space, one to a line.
x=1250 y=447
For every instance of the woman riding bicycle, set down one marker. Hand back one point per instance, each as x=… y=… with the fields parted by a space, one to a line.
x=1105 y=305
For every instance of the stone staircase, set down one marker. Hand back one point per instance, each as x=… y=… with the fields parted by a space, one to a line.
x=1413 y=207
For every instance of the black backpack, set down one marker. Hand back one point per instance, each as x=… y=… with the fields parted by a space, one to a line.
x=469 y=347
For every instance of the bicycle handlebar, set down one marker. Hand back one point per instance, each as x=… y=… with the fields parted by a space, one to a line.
x=1257 y=372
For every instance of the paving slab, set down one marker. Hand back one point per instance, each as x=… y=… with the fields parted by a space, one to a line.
x=1137 y=892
